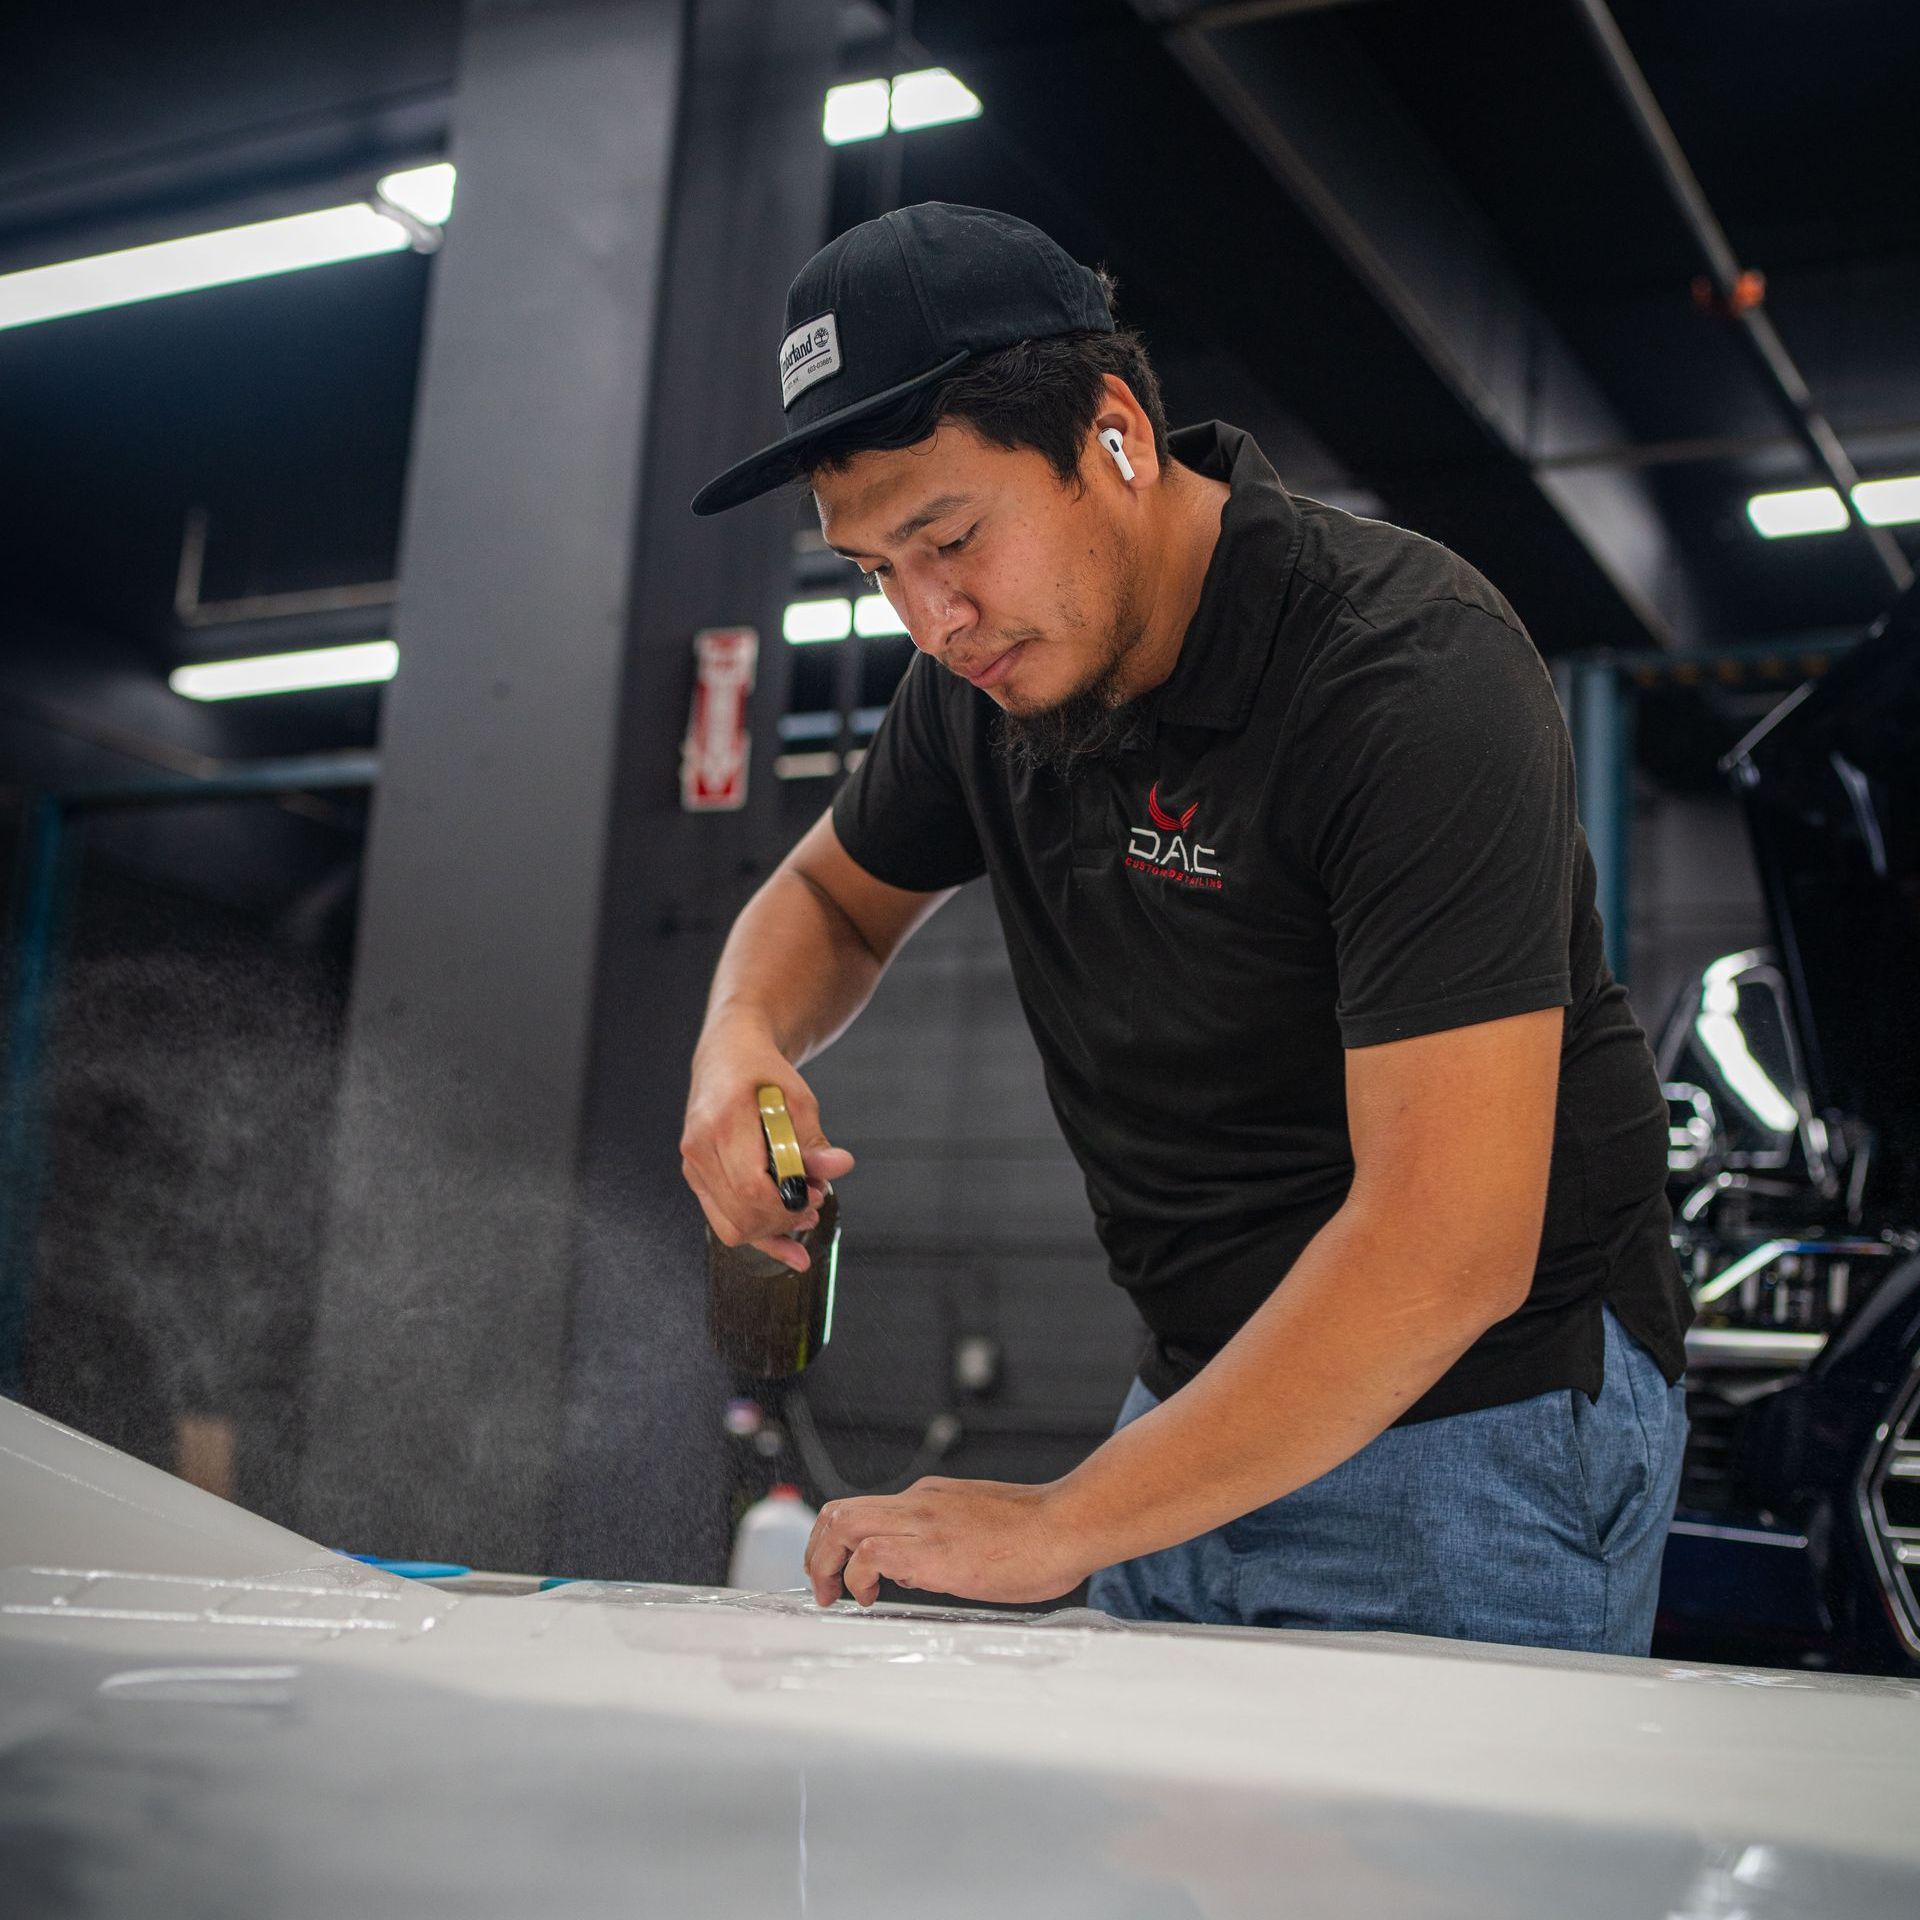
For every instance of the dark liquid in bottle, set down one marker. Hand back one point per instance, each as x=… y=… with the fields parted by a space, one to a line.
x=765 y=1319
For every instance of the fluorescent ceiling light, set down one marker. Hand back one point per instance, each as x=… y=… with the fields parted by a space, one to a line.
x=873 y=615
x=862 y=109
x=351 y=666
x=855 y=112
x=807 y=620
x=1882 y=503
x=201 y=260
x=1779 y=516
x=424 y=192
x=231 y=254
x=1889 y=503
x=931 y=99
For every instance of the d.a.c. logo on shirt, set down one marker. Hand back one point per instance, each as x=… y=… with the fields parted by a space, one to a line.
x=1168 y=850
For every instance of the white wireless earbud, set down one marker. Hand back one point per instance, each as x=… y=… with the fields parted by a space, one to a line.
x=1110 y=439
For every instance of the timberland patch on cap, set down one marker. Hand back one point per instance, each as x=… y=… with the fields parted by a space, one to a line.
x=808 y=354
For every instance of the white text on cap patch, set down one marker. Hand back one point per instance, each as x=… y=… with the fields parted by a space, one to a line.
x=810 y=352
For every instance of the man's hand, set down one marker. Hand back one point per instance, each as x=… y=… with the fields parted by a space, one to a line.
x=723 y=1148
x=975 y=1539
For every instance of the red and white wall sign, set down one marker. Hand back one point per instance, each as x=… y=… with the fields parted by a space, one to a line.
x=713 y=760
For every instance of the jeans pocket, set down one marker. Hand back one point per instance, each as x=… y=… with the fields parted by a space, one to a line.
x=1577 y=1471
x=1612 y=1453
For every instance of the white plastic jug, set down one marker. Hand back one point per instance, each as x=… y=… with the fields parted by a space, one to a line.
x=770 y=1543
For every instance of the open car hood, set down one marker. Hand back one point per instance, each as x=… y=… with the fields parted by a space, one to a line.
x=1831 y=780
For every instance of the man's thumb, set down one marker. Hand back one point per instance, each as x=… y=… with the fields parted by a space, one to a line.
x=824 y=1162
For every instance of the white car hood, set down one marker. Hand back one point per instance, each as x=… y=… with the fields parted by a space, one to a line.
x=202 y=1713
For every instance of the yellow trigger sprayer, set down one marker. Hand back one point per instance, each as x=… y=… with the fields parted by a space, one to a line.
x=764 y=1318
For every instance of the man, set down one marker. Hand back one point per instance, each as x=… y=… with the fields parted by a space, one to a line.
x=1276 y=808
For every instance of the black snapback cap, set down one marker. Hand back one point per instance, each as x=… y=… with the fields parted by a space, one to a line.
x=897 y=303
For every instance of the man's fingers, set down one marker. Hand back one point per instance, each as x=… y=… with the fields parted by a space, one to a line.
x=824 y=1558
x=804 y=1110
x=855 y=1543
x=728 y=1231
x=863 y=1569
x=889 y=1556
x=758 y=1194
x=790 y=1253
x=723 y=1146
x=734 y=1184
x=826 y=1163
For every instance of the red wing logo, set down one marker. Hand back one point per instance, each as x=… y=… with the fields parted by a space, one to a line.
x=1163 y=819
x=1167 y=852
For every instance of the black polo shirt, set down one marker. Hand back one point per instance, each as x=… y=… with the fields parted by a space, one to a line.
x=1350 y=820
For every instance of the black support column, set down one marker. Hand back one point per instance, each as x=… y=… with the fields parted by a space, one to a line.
x=638 y=179
x=641 y=1484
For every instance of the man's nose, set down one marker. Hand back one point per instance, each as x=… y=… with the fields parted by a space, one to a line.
x=937 y=618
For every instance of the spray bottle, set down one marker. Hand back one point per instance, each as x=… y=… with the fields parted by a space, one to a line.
x=765 y=1319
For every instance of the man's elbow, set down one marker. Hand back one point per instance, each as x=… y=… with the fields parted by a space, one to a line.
x=1463 y=1272
x=1508 y=1283
x=1473 y=1286
x=1500 y=1265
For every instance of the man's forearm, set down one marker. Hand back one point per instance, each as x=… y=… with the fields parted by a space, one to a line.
x=1368 y=1318
x=795 y=964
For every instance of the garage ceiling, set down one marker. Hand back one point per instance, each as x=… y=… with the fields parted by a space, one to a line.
x=1553 y=401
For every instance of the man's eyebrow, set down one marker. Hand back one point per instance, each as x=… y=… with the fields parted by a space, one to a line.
x=932 y=511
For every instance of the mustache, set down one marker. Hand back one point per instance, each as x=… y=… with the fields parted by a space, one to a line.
x=975 y=661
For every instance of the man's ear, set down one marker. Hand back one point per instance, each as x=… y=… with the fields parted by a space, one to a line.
x=1121 y=413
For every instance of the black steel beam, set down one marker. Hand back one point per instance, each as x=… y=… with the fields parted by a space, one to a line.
x=639 y=1489
x=1309 y=106
x=1785 y=384
x=1894 y=439
x=316 y=159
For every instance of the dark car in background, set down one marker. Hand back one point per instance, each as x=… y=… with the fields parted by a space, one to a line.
x=1793 y=1080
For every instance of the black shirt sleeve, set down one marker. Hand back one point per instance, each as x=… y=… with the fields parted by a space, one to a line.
x=1435 y=799
x=902 y=814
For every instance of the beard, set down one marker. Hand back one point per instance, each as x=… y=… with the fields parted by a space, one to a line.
x=1093 y=725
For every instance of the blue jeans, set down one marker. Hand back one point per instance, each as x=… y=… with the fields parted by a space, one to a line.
x=1537 y=1524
